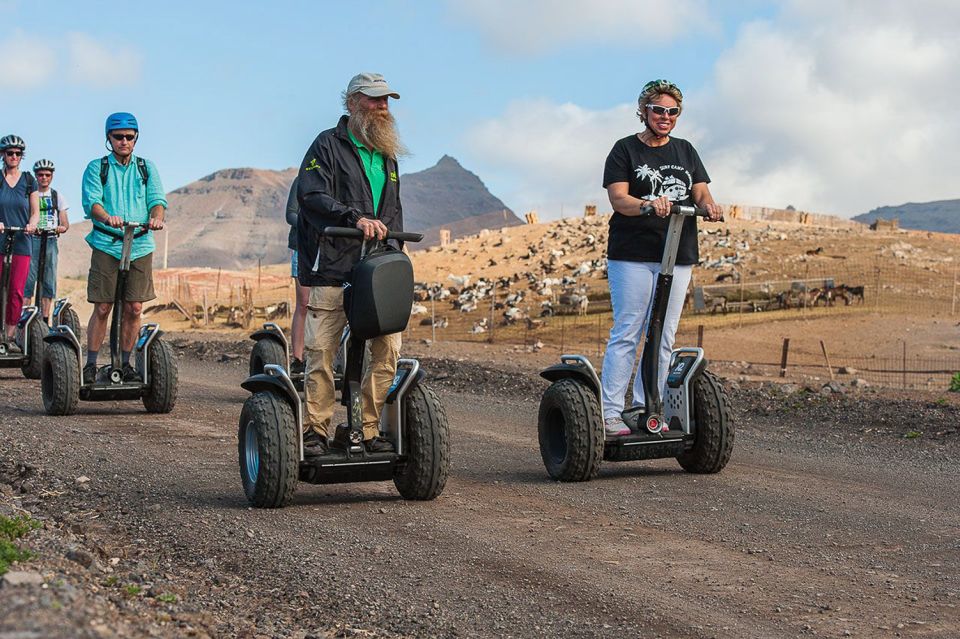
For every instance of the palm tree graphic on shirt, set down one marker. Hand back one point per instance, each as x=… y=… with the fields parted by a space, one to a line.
x=653 y=175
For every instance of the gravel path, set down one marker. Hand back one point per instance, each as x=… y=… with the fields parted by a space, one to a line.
x=832 y=519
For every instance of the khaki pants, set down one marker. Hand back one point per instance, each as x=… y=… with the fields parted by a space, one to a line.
x=325 y=322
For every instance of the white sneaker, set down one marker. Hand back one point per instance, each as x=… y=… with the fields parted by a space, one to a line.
x=614 y=427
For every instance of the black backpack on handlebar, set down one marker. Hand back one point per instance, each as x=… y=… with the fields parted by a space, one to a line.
x=379 y=296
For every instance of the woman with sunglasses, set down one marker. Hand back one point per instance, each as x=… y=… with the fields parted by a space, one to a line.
x=650 y=168
x=19 y=206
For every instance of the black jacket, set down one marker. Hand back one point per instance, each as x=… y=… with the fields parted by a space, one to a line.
x=334 y=191
x=292 y=213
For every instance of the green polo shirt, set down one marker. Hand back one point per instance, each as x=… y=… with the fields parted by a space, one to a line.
x=374 y=167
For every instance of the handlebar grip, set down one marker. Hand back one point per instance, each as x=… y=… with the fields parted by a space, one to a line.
x=346 y=231
x=679 y=209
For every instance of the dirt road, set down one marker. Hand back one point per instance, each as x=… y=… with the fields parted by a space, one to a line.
x=828 y=522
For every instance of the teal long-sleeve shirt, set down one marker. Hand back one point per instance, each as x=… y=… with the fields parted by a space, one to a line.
x=124 y=195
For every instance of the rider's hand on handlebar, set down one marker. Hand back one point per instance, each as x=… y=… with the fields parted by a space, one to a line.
x=372 y=228
x=115 y=221
x=661 y=206
x=156 y=224
x=1 y=227
x=30 y=228
x=61 y=229
x=715 y=212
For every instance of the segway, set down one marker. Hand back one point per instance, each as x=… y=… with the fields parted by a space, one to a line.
x=377 y=301
x=63 y=311
x=31 y=328
x=25 y=350
x=691 y=422
x=61 y=378
x=272 y=347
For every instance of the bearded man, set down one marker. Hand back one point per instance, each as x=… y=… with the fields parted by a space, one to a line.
x=347 y=178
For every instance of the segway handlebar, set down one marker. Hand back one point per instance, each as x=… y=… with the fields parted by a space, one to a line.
x=14 y=229
x=116 y=235
x=346 y=231
x=680 y=209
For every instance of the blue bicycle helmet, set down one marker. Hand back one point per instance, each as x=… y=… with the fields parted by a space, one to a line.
x=121 y=121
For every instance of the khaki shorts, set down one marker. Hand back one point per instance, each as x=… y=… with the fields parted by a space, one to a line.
x=102 y=280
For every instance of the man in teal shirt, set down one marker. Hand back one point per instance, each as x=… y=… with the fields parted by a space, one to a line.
x=120 y=188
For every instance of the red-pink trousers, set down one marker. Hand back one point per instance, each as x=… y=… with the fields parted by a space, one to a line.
x=19 y=269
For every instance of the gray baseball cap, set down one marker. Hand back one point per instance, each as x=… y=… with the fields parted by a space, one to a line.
x=371 y=85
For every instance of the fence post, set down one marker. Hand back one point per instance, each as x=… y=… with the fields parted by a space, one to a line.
x=826 y=358
x=904 y=365
x=953 y=299
x=433 y=319
x=699 y=335
x=493 y=302
x=598 y=335
x=783 y=357
x=562 y=324
x=877 y=304
x=740 y=310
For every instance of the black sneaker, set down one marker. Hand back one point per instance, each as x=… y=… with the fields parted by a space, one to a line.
x=313 y=444
x=89 y=374
x=296 y=367
x=379 y=445
x=130 y=375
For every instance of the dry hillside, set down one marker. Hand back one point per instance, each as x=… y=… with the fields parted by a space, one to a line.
x=234 y=218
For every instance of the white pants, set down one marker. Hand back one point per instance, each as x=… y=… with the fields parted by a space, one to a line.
x=632 y=285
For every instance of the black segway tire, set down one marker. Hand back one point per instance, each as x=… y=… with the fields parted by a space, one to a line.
x=71 y=320
x=267 y=450
x=34 y=333
x=161 y=394
x=427 y=445
x=570 y=431
x=266 y=351
x=714 y=435
x=60 y=379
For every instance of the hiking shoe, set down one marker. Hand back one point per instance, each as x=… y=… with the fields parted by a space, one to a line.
x=103 y=374
x=615 y=427
x=314 y=444
x=379 y=445
x=130 y=374
x=89 y=374
x=296 y=366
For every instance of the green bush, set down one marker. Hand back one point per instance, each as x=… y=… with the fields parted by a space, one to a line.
x=11 y=529
x=955 y=383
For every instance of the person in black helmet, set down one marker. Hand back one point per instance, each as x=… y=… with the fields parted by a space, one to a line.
x=53 y=217
x=19 y=206
x=117 y=188
x=650 y=168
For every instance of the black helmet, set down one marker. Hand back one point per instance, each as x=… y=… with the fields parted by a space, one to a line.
x=12 y=142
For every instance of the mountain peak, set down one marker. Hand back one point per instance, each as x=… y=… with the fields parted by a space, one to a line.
x=448 y=162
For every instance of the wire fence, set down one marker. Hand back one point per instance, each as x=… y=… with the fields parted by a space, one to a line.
x=513 y=313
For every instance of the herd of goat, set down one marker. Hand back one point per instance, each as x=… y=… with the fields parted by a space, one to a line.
x=565 y=296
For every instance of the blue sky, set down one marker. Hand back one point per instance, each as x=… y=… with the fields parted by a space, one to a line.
x=788 y=102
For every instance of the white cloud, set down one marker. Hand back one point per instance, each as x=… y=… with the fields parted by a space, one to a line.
x=837 y=115
x=548 y=155
x=28 y=62
x=534 y=26
x=94 y=64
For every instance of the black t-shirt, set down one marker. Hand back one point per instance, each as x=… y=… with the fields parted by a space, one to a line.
x=653 y=171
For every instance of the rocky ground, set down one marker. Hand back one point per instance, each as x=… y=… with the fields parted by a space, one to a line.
x=837 y=516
